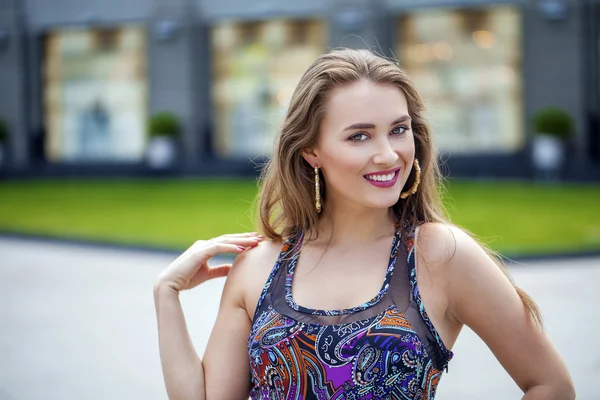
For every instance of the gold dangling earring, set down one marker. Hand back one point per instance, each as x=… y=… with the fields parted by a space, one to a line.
x=317 y=191
x=415 y=185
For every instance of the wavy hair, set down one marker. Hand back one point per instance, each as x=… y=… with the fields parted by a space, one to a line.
x=286 y=197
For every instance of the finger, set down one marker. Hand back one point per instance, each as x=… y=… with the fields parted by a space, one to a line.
x=239 y=235
x=239 y=240
x=219 y=271
x=215 y=248
x=247 y=241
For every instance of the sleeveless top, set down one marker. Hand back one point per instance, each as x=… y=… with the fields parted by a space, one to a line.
x=386 y=348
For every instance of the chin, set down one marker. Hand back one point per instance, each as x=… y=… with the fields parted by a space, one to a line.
x=384 y=202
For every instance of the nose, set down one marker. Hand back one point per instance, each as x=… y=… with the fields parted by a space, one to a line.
x=385 y=154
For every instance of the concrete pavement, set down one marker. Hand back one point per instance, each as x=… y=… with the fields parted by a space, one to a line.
x=77 y=322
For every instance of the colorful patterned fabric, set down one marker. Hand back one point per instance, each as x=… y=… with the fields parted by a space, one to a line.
x=386 y=348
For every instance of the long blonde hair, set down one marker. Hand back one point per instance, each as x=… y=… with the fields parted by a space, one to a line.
x=286 y=198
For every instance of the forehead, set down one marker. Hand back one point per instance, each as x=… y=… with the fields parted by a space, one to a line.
x=365 y=101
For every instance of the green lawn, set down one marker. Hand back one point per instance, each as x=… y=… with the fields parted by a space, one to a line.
x=513 y=218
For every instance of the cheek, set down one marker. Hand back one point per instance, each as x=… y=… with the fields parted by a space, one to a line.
x=344 y=162
x=343 y=167
x=406 y=146
x=406 y=152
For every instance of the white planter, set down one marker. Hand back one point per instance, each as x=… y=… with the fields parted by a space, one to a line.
x=161 y=152
x=548 y=153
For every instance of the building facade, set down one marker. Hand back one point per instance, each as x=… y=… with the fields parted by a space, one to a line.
x=79 y=80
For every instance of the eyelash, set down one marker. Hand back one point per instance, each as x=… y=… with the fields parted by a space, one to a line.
x=352 y=138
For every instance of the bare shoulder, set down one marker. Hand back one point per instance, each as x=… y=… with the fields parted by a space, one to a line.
x=442 y=244
x=453 y=251
x=438 y=246
x=251 y=270
x=468 y=271
x=446 y=239
x=450 y=264
x=453 y=259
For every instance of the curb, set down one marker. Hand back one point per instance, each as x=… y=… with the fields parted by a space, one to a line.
x=100 y=244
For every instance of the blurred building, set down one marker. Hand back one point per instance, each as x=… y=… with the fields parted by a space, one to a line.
x=79 y=79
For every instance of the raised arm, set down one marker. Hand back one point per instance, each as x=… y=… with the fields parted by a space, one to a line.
x=225 y=361
x=184 y=373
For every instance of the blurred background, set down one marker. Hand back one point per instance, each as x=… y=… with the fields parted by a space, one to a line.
x=129 y=129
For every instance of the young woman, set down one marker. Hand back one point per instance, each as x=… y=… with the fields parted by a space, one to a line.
x=358 y=286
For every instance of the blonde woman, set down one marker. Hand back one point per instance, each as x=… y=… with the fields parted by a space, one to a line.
x=358 y=286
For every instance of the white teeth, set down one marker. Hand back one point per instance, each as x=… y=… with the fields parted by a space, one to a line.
x=381 y=178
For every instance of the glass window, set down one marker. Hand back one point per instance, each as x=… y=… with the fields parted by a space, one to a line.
x=256 y=67
x=466 y=63
x=95 y=94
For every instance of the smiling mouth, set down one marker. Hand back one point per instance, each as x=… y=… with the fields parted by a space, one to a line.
x=383 y=178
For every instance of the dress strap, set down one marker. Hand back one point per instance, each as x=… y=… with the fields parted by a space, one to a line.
x=287 y=251
x=411 y=240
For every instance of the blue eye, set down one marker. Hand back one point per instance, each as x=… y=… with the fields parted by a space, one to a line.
x=395 y=131
x=359 y=137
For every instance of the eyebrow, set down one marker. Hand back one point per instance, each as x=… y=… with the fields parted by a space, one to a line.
x=362 y=125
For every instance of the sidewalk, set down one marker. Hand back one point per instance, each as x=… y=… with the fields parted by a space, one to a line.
x=78 y=323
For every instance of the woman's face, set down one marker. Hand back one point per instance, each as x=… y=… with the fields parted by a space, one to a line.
x=366 y=147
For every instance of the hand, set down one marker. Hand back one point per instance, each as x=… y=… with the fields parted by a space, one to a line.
x=191 y=268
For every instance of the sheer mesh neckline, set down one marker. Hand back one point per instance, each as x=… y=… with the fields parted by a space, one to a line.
x=296 y=244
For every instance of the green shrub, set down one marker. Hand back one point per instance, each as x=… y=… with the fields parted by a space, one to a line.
x=3 y=131
x=553 y=121
x=164 y=124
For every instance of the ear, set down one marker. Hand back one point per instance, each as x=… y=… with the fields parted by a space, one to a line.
x=311 y=157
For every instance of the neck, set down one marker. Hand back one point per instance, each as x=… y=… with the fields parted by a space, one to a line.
x=340 y=225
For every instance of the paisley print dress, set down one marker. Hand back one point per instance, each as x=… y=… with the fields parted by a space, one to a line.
x=386 y=348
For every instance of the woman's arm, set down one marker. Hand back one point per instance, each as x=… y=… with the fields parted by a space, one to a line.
x=480 y=296
x=182 y=368
x=224 y=372
x=226 y=363
x=186 y=376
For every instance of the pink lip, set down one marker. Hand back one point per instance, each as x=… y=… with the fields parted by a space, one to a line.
x=384 y=172
x=387 y=184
